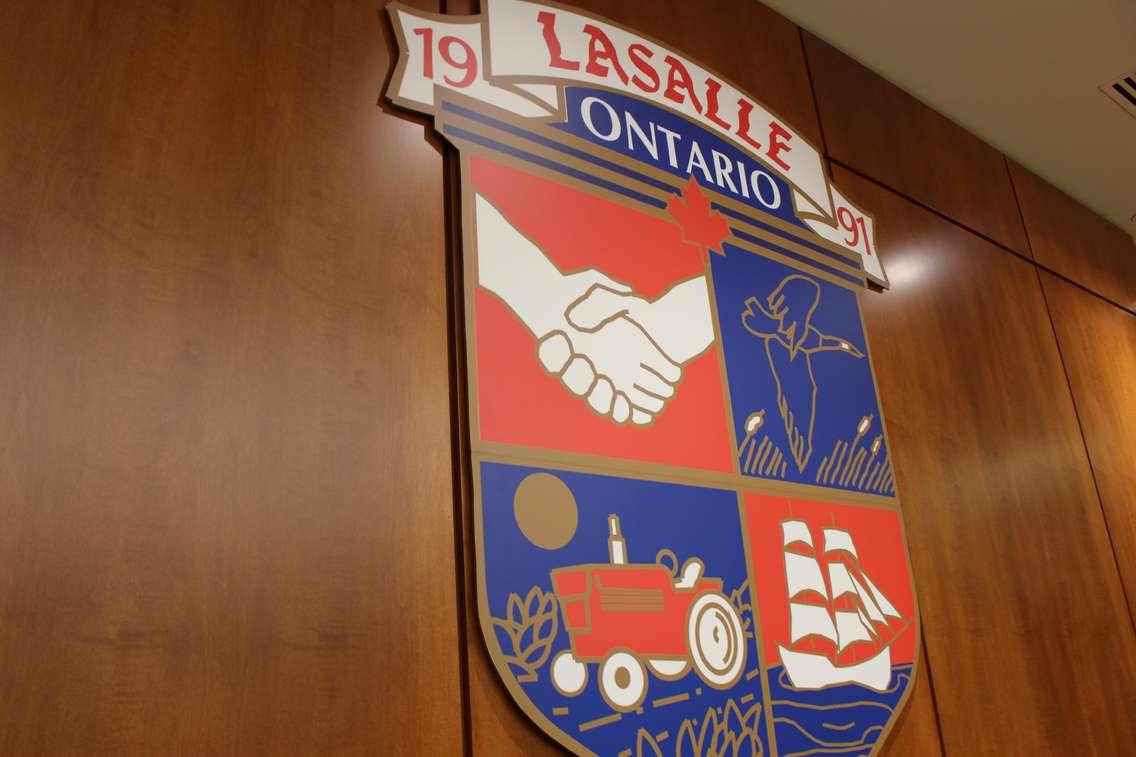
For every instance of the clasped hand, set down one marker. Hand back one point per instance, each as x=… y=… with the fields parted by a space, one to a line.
x=602 y=354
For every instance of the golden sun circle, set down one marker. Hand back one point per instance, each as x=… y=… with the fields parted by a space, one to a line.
x=545 y=510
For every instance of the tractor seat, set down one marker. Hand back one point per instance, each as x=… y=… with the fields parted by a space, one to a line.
x=691 y=572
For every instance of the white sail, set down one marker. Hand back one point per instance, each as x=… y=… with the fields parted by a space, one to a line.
x=815 y=671
x=836 y=540
x=811 y=670
x=802 y=573
x=873 y=611
x=809 y=620
x=840 y=580
x=849 y=629
x=796 y=531
x=885 y=606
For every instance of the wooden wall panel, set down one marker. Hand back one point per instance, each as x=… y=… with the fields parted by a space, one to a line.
x=226 y=513
x=1069 y=238
x=225 y=507
x=878 y=129
x=1098 y=346
x=1026 y=629
x=916 y=733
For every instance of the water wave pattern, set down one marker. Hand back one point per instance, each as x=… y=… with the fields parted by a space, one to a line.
x=842 y=720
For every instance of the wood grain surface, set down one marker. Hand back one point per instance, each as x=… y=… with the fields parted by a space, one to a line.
x=878 y=129
x=231 y=393
x=916 y=732
x=1027 y=633
x=1098 y=346
x=1074 y=241
x=225 y=507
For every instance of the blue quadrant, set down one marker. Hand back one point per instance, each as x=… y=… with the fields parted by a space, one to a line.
x=689 y=521
x=801 y=386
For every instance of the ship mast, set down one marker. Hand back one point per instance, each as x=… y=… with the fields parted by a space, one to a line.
x=808 y=618
x=865 y=611
x=846 y=609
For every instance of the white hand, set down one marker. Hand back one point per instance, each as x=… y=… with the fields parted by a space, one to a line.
x=679 y=322
x=615 y=365
x=621 y=373
x=618 y=368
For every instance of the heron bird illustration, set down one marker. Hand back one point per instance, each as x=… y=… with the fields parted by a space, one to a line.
x=783 y=320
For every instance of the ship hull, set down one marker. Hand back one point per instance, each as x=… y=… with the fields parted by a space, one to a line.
x=813 y=671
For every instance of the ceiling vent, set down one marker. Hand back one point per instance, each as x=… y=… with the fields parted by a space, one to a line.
x=1123 y=92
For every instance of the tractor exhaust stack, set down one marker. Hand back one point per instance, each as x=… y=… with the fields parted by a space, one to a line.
x=616 y=546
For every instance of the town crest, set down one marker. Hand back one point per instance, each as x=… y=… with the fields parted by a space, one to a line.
x=688 y=539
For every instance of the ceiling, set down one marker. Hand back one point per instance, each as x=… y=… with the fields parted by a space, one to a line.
x=1021 y=74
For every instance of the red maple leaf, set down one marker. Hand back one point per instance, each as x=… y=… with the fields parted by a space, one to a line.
x=701 y=226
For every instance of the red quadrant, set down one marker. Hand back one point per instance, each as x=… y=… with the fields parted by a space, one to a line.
x=878 y=536
x=519 y=403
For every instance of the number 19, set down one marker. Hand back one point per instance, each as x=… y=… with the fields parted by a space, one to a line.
x=467 y=63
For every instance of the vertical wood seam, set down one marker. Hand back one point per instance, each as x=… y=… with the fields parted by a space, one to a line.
x=1088 y=454
x=459 y=427
x=459 y=454
x=816 y=102
x=934 y=697
x=1018 y=207
x=1072 y=397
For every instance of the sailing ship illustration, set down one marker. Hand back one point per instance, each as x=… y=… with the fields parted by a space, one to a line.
x=840 y=631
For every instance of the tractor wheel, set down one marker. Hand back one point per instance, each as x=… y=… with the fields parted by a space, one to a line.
x=623 y=681
x=717 y=643
x=669 y=670
x=569 y=675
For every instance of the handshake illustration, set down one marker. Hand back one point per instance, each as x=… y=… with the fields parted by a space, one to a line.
x=620 y=353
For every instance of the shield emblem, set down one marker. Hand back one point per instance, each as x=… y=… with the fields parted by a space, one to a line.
x=687 y=530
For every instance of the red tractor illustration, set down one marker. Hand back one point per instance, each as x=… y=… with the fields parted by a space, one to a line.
x=631 y=617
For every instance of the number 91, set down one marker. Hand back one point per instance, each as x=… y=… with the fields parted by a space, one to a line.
x=856 y=226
